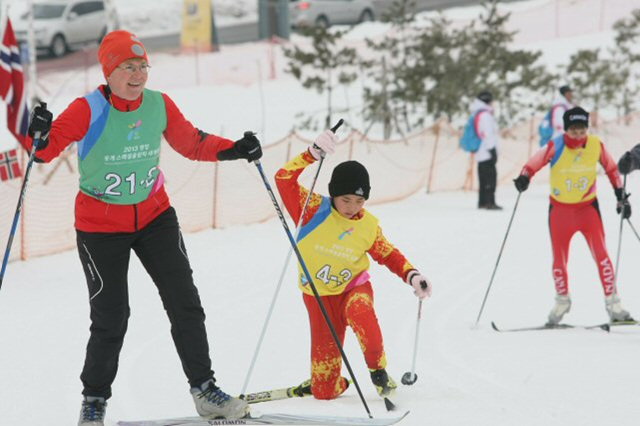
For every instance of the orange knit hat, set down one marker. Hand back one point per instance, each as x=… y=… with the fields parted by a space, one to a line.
x=118 y=46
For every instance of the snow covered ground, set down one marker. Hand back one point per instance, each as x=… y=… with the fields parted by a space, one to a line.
x=466 y=375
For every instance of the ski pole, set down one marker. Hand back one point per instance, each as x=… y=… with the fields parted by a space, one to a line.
x=499 y=256
x=284 y=270
x=633 y=229
x=615 y=278
x=410 y=377
x=23 y=191
x=303 y=265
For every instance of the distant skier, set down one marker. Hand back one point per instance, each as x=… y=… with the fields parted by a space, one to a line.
x=552 y=125
x=335 y=239
x=630 y=160
x=487 y=153
x=122 y=206
x=573 y=158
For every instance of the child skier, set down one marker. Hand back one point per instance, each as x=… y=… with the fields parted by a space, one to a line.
x=337 y=234
x=573 y=158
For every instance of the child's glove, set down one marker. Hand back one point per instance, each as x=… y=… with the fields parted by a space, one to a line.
x=325 y=143
x=421 y=286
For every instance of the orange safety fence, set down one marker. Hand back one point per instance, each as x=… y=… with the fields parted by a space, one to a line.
x=220 y=195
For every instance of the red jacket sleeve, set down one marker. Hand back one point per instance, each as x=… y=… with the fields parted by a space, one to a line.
x=610 y=167
x=383 y=252
x=188 y=140
x=539 y=159
x=69 y=127
x=293 y=195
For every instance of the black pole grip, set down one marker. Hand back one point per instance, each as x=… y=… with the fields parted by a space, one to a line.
x=333 y=130
x=337 y=126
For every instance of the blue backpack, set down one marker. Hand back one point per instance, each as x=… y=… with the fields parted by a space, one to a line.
x=470 y=141
x=545 y=129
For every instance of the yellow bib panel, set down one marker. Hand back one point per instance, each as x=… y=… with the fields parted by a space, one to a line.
x=573 y=171
x=334 y=249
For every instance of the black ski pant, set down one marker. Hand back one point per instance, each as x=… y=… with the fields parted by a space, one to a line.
x=105 y=260
x=487 y=180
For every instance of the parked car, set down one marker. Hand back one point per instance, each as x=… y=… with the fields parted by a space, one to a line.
x=62 y=25
x=330 y=12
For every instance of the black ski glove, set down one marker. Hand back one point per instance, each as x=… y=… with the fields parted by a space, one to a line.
x=623 y=207
x=40 y=121
x=625 y=165
x=522 y=183
x=248 y=147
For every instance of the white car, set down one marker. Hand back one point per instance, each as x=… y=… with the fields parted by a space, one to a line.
x=62 y=25
x=330 y=12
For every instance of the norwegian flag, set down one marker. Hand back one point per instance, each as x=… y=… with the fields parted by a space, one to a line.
x=12 y=87
x=9 y=167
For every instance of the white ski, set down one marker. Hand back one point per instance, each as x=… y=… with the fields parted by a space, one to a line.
x=271 y=419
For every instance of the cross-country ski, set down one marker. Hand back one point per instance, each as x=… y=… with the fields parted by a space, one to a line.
x=603 y=326
x=272 y=419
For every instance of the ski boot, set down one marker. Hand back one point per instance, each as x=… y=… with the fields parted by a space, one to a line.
x=212 y=403
x=383 y=382
x=93 y=411
x=562 y=306
x=615 y=310
x=303 y=389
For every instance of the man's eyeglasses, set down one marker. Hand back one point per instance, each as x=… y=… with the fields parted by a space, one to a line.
x=131 y=69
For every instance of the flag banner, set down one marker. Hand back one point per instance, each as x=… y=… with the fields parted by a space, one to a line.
x=12 y=87
x=9 y=165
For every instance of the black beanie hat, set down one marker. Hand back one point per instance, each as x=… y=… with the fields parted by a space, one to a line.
x=564 y=89
x=485 y=96
x=575 y=115
x=349 y=178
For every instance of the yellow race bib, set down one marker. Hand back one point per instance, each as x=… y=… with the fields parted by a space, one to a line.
x=573 y=171
x=334 y=249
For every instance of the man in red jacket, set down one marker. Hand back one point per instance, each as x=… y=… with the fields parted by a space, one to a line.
x=122 y=206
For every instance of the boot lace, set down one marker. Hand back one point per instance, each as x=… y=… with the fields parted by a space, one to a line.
x=214 y=395
x=92 y=411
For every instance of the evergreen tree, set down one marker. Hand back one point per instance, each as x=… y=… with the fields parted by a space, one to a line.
x=438 y=70
x=446 y=65
x=512 y=75
x=593 y=78
x=628 y=35
x=389 y=99
x=324 y=66
x=625 y=60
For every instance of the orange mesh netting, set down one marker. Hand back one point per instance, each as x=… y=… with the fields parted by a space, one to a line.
x=219 y=195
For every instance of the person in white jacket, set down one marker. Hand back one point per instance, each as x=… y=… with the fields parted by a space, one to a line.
x=562 y=103
x=487 y=154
